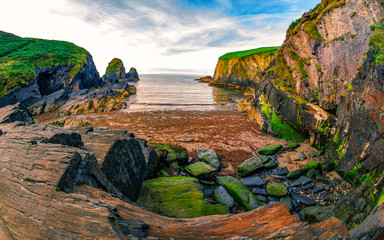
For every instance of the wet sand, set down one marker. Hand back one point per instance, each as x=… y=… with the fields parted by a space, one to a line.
x=230 y=133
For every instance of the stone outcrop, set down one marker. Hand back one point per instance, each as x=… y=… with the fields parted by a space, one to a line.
x=242 y=71
x=67 y=77
x=116 y=72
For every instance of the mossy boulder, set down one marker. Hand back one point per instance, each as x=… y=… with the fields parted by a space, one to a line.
x=239 y=192
x=200 y=170
x=270 y=149
x=303 y=171
x=277 y=189
x=209 y=156
x=296 y=174
x=169 y=152
x=255 y=163
x=292 y=146
x=179 y=197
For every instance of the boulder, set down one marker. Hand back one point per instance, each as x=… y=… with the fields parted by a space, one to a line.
x=209 y=156
x=253 y=164
x=277 y=189
x=304 y=200
x=253 y=181
x=69 y=139
x=223 y=197
x=169 y=152
x=200 y=170
x=125 y=167
x=292 y=146
x=280 y=171
x=180 y=197
x=297 y=173
x=239 y=192
x=270 y=149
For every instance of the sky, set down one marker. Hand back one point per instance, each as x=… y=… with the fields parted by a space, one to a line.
x=156 y=36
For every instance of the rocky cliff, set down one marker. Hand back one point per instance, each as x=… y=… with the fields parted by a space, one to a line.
x=242 y=68
x=43 y=75
x=116 y=72
x=326 y=82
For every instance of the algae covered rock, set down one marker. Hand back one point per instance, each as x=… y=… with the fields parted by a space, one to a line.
x=209 y=156
x=200 y=170
x=277 y=189
x=169 y=152
x=239 y=192
x=303 y=171
x=255 y=163
x=292 y=146
x=270 y=149
x=180 y=197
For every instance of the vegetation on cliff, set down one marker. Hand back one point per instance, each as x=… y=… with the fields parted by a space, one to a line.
x=377 y=40
x=114 y=65
x=240 y=54
x=310 y=19
x=21 y=57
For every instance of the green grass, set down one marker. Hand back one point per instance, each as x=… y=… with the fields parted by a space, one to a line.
x=377 y=40
x=20 y=57
x=114 y=65
x=240 y=54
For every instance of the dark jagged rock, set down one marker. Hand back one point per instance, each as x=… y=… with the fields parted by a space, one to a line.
x=72 y=139
x=253 y=181
x=125 y=166
x=304 y=200
x=15 y=113
x=132 y=74
x=280 y=171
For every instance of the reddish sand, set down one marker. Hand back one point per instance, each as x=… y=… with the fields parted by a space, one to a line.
x=231 y=134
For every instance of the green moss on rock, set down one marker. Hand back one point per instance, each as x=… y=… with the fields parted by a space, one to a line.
x=239 y=192
x=200 y=170
x=114 y=65
x=240 y=54
x=169 y=152
x=270 y=149
x=253 y=164
x=179 y=197
x=277 y=189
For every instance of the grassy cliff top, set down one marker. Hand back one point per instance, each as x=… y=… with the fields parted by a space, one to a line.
x=114 y=65
x=246 y=53
x=19 y=57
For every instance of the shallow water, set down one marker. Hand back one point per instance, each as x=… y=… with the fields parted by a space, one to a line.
x=158 y=92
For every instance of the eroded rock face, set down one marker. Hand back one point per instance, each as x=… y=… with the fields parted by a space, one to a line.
x=116 y=72
x=125 y=167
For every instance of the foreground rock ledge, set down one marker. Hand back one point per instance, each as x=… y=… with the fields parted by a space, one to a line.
x=31 y=207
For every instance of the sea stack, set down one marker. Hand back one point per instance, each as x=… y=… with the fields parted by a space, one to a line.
x=116 y=72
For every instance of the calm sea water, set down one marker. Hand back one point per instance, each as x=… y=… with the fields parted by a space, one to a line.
x=158 y=92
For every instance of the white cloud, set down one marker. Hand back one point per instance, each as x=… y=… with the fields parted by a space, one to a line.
x=149 y=35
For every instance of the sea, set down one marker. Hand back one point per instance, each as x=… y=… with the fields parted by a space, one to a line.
x=161 y=92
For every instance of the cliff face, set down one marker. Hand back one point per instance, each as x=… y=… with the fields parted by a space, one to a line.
x=242 y=69
x=326 y=81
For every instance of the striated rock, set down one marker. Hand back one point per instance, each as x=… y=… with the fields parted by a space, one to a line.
x=372 y=226
x=223 y=197
x=270 y=149
x=177 y=197
x=200 y=170
x=209 y=156
x=239 y=192
x=255 y=163
x=15 y=113
x=125 y=166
